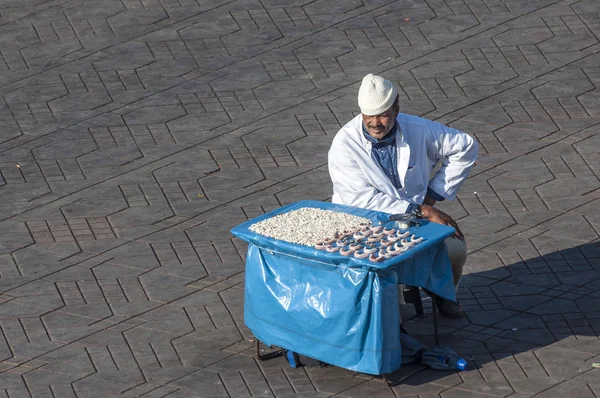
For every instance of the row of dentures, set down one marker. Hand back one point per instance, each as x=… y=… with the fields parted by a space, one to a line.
x=375 y=242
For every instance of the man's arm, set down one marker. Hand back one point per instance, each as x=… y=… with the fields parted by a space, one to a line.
x=438 y=216
x=429 y=201
x=457 y=151
x=354 y=189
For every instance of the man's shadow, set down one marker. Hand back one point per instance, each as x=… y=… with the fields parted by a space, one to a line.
x=538 y=318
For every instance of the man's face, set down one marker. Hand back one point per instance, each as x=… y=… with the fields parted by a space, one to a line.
x=379 y=125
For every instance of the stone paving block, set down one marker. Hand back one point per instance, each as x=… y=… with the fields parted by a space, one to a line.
x=522 y=303
x=135 y=136
x=165 y=287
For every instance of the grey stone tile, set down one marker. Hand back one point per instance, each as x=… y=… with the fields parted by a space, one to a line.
x=156 y=94
x=504 y=289
x=161 y=287
x=488 y=318
x=555 y=306
x=498 y=344
x=522 y=303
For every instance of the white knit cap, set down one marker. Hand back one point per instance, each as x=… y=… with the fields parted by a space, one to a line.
x=376 y=95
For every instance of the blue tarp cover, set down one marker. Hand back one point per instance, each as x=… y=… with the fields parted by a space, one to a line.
x=340 y=310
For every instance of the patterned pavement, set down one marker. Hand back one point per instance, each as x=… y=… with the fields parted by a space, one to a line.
x=135 y=133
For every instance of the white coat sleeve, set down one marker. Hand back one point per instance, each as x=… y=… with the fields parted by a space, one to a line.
x=457 y=151
x=351 y=186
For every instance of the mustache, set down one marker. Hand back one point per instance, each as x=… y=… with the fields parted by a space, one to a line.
x=372 y=126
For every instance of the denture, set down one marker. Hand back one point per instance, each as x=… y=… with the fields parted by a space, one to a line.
x=415 y=240
x=373 y=239
x=370 y=249
x=406 y=243
x=375 y=258
x=386 y=242
x=392 y=238
x=393 y=250
x=332 y=249
x=366 y=232
x=346 y=252
x=403 y=234
x=355 y=245
x=342 y=242
x=361 y=254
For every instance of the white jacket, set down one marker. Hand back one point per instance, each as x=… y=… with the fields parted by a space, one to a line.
x=421 y=144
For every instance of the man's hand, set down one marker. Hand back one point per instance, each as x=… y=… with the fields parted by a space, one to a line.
x=438 y=216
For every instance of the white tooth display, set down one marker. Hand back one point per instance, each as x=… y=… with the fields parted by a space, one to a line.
x=308 y=226
x=337 y=233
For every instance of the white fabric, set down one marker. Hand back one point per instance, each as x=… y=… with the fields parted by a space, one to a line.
x=457 y=251
x=421 y=144
x=376 y=95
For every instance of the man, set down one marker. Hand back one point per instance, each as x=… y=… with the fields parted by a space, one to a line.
x=383 y=159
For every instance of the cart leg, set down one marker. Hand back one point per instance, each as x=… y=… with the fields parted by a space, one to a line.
x=269 y=355
x=402 y=330
x=412 y=296
x=435 y=319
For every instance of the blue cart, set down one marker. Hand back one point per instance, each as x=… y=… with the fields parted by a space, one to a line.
x=340 y=310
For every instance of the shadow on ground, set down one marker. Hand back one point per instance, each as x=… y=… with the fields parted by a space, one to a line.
x=529 y=326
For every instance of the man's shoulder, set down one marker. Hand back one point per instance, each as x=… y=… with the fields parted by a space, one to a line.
x=414 y=120
x=421 y=128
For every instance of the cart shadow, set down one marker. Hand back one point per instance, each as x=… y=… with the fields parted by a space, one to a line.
x=516 y=315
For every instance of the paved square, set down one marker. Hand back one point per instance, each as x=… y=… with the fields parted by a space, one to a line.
x=135 y=133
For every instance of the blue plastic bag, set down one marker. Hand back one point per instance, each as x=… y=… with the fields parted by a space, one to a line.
x=339 y=310
x=346 y=317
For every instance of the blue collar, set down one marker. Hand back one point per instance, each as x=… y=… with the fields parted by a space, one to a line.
x=389 y=139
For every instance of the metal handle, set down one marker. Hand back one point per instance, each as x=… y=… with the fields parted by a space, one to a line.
x=402 y=217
